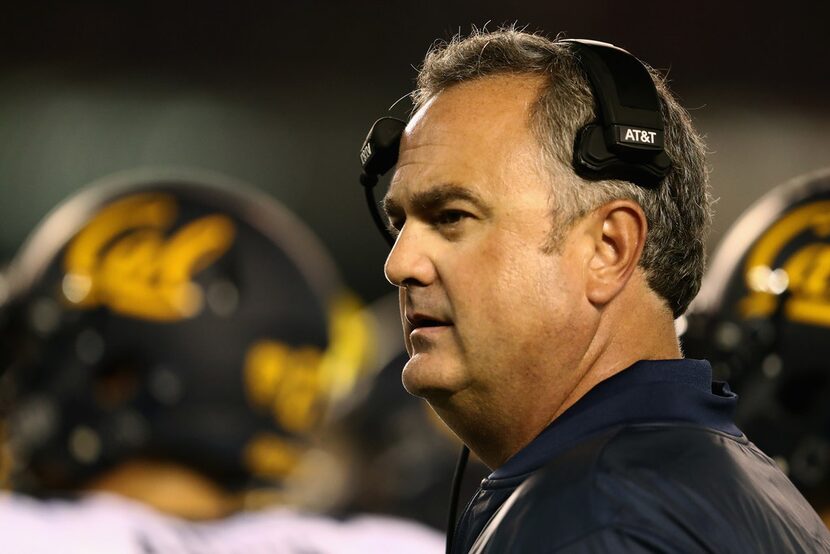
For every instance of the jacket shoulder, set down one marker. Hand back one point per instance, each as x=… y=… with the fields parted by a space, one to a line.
x=665 y=487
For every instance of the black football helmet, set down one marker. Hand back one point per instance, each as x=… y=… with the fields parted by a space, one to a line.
x=763 y=319
x=175 y=315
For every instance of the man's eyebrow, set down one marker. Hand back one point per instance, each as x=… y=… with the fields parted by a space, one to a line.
x=391 y=206
x=435 y=197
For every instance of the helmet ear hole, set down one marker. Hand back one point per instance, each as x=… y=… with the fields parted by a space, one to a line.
x=161 y=282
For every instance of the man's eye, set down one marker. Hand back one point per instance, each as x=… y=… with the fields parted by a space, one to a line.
x=450 y=217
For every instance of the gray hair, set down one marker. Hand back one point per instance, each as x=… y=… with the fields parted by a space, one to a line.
x=678 y=211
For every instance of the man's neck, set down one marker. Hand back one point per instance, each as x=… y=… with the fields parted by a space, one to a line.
x=621 y=342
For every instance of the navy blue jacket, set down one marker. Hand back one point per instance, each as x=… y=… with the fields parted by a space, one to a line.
x=648 y=461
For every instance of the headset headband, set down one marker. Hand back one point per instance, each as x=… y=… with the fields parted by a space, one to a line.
x=626 y=141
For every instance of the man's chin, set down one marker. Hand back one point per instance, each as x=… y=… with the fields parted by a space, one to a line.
x=427 y=378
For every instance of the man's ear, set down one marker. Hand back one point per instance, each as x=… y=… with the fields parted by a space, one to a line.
x=618 y=229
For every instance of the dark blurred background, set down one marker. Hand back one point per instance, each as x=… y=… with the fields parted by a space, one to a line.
x=281 y=94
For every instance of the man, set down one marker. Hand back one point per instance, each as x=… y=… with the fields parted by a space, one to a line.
x=538 y=309
x=173 y=341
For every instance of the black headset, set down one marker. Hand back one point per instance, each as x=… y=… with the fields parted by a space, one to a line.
x=625 y=142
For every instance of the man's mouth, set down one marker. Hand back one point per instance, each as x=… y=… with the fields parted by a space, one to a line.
x=420 y=321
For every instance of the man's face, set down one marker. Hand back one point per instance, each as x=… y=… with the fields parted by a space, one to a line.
x=489 y=316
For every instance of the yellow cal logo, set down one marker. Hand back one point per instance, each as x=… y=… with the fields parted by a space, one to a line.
x=805 y=274
x=127 y=259
x=295 y=385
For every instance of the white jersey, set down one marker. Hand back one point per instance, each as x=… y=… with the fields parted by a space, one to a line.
x=108 y=524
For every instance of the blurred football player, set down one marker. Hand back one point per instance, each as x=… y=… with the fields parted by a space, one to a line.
x=172 y=341
x=763 y=319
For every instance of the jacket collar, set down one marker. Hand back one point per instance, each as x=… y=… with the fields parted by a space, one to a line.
x=679 y=391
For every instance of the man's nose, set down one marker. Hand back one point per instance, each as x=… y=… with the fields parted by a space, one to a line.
x=409 y=263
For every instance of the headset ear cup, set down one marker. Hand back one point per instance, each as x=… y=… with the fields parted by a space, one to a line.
x=593 y=161
x=591 y=155
x=627 y=140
